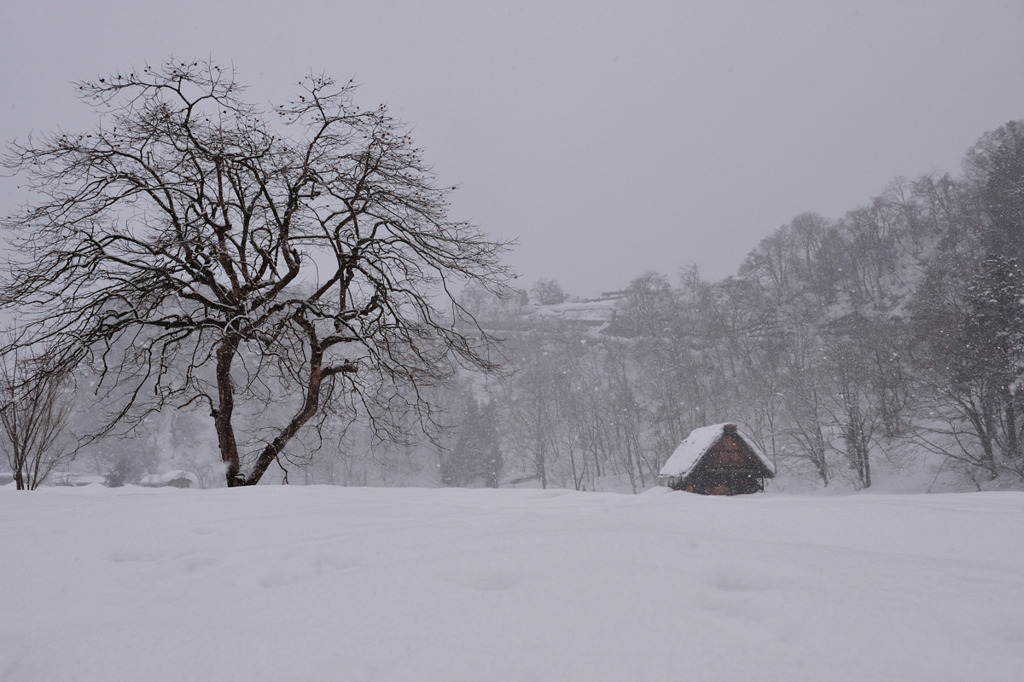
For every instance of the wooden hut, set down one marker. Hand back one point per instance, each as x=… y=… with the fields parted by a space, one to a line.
x=717 y=460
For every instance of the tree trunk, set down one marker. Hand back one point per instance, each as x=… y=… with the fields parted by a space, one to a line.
x=223 y=412
x=984 y=438
x=989 y=415
x=1012 y=453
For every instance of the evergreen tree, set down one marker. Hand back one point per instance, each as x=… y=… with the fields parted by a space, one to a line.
x=476 y=455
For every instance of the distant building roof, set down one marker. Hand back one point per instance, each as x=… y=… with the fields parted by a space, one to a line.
x=699 y=442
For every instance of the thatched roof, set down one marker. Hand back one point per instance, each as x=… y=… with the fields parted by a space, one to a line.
x=699 y=442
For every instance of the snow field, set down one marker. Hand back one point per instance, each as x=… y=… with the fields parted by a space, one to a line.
x=322 y=583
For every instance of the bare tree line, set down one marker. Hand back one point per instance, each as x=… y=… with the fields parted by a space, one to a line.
x=896 y=329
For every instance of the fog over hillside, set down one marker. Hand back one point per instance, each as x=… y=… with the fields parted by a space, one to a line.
x=882 y=349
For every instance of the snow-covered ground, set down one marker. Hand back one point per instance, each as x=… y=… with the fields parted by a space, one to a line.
x=321 y=583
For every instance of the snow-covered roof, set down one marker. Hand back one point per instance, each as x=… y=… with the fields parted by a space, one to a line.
x=699 y=442
x=166 y=478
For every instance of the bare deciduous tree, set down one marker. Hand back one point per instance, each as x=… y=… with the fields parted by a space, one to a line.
x=33 y=415
x=195 y=253
x=548 y=292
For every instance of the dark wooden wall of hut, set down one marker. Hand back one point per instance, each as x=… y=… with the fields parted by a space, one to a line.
x=729 y=468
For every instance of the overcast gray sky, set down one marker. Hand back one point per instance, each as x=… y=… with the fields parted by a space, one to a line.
x=610 y=138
